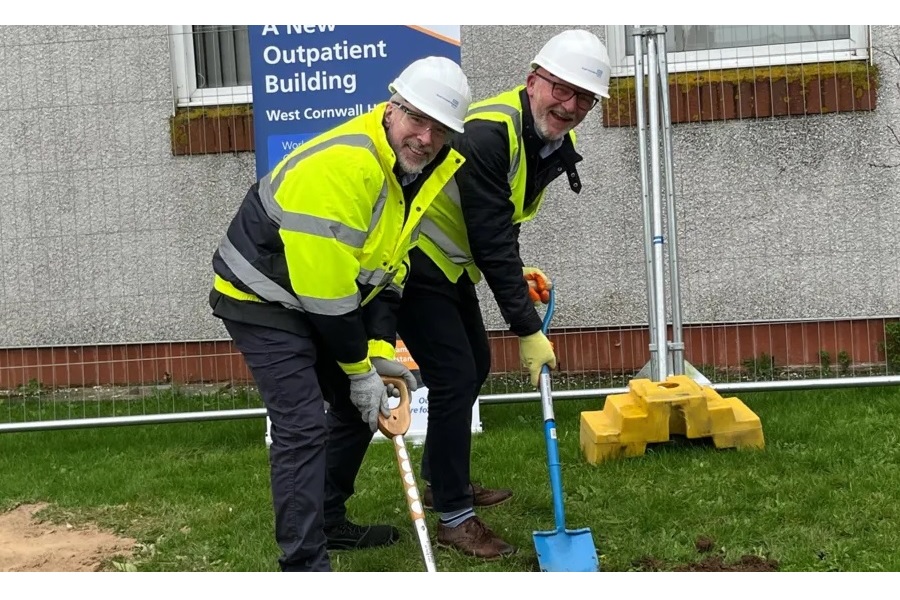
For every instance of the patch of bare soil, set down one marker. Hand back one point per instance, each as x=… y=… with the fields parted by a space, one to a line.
x=748 y=562
x=29 y=544
x=710 y=563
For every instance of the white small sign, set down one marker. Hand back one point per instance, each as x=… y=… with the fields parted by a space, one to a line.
x=418 y=404
x=418 y=407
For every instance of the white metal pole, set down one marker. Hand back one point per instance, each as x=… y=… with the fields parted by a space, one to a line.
x=677 y=345
x=657 y=238
x=640 y=109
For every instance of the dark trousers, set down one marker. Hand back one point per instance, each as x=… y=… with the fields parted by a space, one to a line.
x=441 y=324
x=314 y=458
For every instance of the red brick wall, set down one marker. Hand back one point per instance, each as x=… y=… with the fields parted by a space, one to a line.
x=616 y=350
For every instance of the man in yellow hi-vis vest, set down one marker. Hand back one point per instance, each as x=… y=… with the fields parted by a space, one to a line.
x=307 y=282
x=515 y=144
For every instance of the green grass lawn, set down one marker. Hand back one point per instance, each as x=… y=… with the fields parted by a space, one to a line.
x=823 y=496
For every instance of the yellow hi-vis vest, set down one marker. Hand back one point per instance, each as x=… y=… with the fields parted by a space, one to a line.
x=339 y=214
x=443 y=237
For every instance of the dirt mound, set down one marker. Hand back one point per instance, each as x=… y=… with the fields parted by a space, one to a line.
x=28 y=544
x=748 y=562
x=711 y=563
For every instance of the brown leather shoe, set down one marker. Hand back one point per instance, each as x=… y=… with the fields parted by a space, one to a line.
x=482 y=497
x=475 y=538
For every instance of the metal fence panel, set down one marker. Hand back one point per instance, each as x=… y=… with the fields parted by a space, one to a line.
x=120 y=173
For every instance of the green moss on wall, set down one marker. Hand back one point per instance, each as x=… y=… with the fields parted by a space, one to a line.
x=860 y=74
x=183 y=117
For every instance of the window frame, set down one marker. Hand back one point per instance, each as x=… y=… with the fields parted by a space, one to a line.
x=184 y=75
x=854 y=48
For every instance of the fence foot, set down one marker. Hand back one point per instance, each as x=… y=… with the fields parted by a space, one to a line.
x=652 y=411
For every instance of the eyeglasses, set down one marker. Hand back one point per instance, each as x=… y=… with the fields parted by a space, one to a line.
x=420 y=123
x=564 y=93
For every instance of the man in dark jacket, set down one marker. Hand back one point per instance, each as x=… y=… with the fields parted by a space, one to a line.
x=515 y=144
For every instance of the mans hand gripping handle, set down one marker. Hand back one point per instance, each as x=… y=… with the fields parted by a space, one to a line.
x=369 y=395
x=535 y=351
x=539 y=285
x=394 y=368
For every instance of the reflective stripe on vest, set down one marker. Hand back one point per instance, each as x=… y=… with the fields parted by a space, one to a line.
x=269 y=290
x=261 y=285
x=377 y=277
x=453 y=251
x=516 y=118
x=456 y=254
x=302 y=223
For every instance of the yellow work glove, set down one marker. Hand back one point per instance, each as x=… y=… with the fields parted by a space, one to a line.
x=535 y=351
x=538 y=285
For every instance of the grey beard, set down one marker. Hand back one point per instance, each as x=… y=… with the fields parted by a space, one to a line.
x=407 y=171
x=411 y=172
x=539 y=127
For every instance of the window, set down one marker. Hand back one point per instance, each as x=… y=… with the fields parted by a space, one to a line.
x=703 y=47
x=211 y=64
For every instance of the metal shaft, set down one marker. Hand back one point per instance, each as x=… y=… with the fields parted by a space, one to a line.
x=657 y=238
x=583 y=394
x=414 y=502
x=677 y=348
x=640 y=106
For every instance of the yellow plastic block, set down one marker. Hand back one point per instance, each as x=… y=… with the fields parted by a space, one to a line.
x=651 y=411
x=735 y=425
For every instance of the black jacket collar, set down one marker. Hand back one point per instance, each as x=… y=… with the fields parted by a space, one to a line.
x=533 y=142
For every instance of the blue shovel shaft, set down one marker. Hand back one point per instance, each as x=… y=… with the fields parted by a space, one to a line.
x=550 y=427
x=553 y=464
x=559 y=550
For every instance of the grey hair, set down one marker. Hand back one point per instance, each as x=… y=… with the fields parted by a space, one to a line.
x=394 y=98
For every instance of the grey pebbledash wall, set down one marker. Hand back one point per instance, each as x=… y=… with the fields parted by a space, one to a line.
x=106 y=237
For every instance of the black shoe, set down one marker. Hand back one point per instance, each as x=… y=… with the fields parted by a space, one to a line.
x=350 y=536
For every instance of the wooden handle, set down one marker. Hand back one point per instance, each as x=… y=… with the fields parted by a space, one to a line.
x=399 y=421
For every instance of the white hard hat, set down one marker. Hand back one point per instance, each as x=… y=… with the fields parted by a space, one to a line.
x=438 y=87
x=577 y=57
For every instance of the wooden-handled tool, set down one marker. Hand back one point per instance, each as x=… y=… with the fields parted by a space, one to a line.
x=394 y=427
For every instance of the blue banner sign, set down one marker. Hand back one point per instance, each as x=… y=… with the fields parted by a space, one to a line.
x=309 y=78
